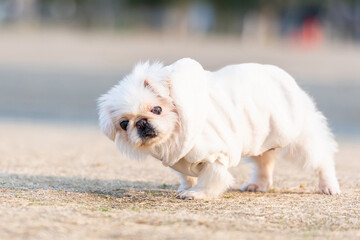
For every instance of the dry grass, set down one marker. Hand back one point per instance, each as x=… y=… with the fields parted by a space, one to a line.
x=62 y=182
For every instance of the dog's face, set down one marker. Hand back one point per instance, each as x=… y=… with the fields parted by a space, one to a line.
x=148 y=120
x=138 y=113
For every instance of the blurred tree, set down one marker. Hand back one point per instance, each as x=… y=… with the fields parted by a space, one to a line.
x=340 y=18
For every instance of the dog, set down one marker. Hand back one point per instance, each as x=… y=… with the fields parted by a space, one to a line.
x=201 y=123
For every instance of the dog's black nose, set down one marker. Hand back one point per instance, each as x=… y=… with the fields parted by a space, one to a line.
x=142 y=123
x=145 y=130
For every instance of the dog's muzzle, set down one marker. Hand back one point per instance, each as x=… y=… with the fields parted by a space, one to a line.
x=145 y=130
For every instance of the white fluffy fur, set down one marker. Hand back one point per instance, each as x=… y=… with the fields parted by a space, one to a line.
x=212 y=119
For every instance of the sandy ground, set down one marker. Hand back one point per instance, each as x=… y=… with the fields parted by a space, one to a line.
x=69 y=182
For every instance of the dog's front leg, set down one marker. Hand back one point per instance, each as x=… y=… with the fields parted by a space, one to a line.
x=186 y=182
x=214 y=178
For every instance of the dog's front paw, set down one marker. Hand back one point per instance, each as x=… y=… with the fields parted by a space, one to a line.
x=182 y=188
x=329 y=189
x=254 y=187
x=193 y=195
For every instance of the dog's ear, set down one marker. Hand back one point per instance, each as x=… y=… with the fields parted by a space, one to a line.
x=189 y=91
x=150 y=87
x=159 y=87
x=159 y=82
x=147 y=84
x=106 y=121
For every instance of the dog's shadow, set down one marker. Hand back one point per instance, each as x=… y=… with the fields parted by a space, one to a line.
x=111 y=187
x=106 y=187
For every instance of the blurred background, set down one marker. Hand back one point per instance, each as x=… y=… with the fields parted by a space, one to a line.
x=58 y=56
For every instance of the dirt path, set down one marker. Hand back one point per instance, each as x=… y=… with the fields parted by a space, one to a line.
x=64 y=182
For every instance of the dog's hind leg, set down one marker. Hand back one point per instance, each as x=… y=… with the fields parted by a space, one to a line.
x=315 y=148
x=261 y=179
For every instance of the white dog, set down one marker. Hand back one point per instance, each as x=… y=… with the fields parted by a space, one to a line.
x=201 y=123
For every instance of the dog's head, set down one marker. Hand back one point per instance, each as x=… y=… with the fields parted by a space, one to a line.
x=138 y=113
x=156 y=110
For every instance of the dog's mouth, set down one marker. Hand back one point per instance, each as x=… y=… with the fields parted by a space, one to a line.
x=147 y=142
x=145 y=130
x=148 y=134
x=148 y=137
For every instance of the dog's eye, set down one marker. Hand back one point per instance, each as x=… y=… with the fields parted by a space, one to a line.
x=124 y=124
x=156 y=110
